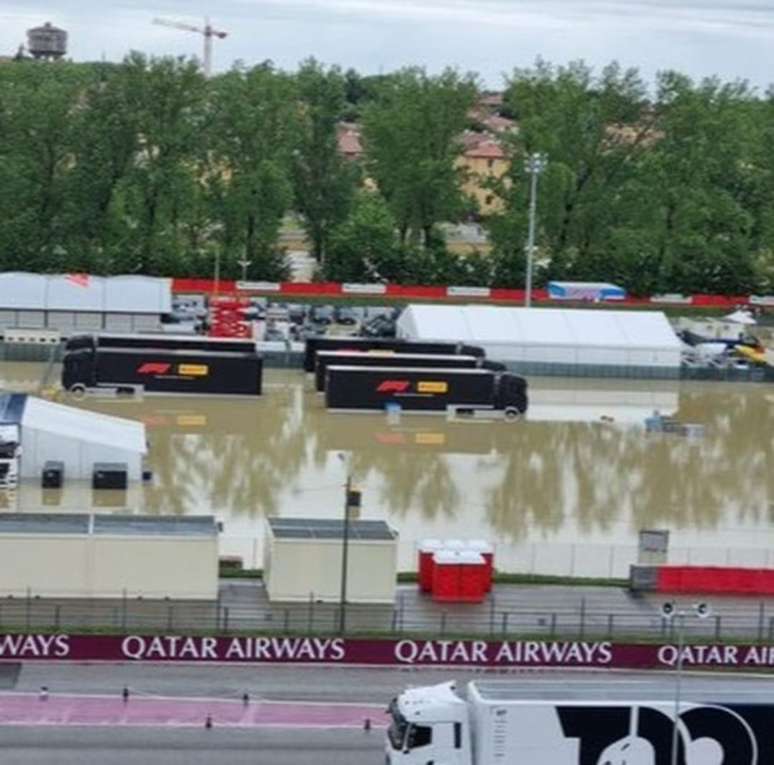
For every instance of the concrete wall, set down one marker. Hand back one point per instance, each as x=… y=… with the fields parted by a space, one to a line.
x=294 y=569
x=76 y=566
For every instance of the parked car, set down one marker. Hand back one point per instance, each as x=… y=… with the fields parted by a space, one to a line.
x=297 y=313
x=343 y=314
x=321 y=314
x=277 y=312
x=379 y=326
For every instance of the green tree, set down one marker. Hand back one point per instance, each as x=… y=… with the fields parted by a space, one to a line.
x=364 y=248
x=324 y=180
x=38 y=136
x=593 y=131
x=254 y=130
x=168 y=99
x=412 y=133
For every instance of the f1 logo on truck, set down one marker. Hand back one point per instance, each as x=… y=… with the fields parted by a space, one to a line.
x=403 y=386
x=393 y=386
x=153 y=368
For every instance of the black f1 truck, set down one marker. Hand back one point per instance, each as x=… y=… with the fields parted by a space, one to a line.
x=173 y=342
x=380 y=358
x=162 y=370
x=463 y=392
x=397 y=345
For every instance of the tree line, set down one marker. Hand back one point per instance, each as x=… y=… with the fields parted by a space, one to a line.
x=146 y=167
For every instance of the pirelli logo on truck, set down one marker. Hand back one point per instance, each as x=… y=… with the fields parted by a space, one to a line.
x=404 y=387
x=162 y=368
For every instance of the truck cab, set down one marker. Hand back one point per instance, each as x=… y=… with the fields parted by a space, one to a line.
x=428 y=726
x=511 y=395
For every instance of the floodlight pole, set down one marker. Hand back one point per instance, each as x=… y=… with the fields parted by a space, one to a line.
x=534 y=165
x=680 y=617
x=669 y=611
x=244 y=263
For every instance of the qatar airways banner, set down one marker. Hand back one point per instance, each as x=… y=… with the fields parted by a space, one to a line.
x=323 y=650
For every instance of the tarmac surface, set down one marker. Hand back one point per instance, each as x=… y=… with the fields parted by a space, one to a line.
x=293 y=716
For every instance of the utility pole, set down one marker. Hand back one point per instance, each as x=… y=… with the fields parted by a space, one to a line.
x=534 y=165
x=207 y=32
x=351 y=501
x=216 y=274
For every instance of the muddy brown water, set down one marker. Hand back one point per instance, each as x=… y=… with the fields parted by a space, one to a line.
x=565 y=491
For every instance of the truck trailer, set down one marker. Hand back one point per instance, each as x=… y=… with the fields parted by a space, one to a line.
x=361 y=344
x=499 y=724
x=172 y=342
x=376 y=358
x=162 y=370
x=460 y=392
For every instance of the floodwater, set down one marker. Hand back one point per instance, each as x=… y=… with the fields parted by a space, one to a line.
x=565 y=491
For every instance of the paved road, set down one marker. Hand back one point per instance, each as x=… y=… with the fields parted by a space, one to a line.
x=66 y=744
x=357 y=685
x=143 y=746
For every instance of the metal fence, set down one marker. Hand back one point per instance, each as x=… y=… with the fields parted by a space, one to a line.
x=498 y=617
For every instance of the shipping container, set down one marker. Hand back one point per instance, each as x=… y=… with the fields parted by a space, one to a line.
x=172 y=342
x=379 y=358
x=463 y=392
x=358 y=344
x=505 y=723
x=154 y=370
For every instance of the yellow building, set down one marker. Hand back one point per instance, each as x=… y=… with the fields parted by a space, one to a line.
x=483 y=161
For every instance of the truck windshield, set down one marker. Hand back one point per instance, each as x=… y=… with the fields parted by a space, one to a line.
x=396 y=733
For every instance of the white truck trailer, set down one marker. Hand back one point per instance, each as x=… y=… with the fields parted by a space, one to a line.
x=499 y=724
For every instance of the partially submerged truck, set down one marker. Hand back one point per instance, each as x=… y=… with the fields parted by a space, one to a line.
x=162 y=370
x=377 y=358
x=458 y=392
x=396 y=345
x=499 y=724
x=171 y=342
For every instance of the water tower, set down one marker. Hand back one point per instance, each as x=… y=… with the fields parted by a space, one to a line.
x=47 y=42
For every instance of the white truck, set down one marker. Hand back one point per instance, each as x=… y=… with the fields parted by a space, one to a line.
x=498 y=724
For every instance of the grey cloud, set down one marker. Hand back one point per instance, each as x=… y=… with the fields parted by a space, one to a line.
x=731 y=38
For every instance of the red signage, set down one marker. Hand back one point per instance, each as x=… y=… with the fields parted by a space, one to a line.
x=326 y=650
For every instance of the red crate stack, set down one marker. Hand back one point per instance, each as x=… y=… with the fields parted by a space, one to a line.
x=228 y=319
x=459 y=577
x=427 y=548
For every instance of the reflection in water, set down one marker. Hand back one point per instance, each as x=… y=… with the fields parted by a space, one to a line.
x=580 y=471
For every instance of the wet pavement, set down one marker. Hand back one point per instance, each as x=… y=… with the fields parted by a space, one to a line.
x=73 y=709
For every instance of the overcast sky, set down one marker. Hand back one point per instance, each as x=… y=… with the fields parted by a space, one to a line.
x=729 y=38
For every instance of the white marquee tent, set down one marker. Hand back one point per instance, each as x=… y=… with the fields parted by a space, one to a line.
x=551 y=336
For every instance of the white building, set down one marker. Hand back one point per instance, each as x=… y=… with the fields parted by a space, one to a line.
x=303 y=560
x=108 y=556
x=554 y=340
x=78 y=439
x=83 y=303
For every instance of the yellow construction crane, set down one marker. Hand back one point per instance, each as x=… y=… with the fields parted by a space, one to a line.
x=206 y=31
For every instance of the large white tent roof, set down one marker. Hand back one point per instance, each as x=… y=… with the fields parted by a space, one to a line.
x=81 y=425
x=499 y=324
x=82 y=292
x=544 y=327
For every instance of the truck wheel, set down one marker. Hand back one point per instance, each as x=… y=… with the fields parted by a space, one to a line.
x=78 y=390
x=512 y=413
